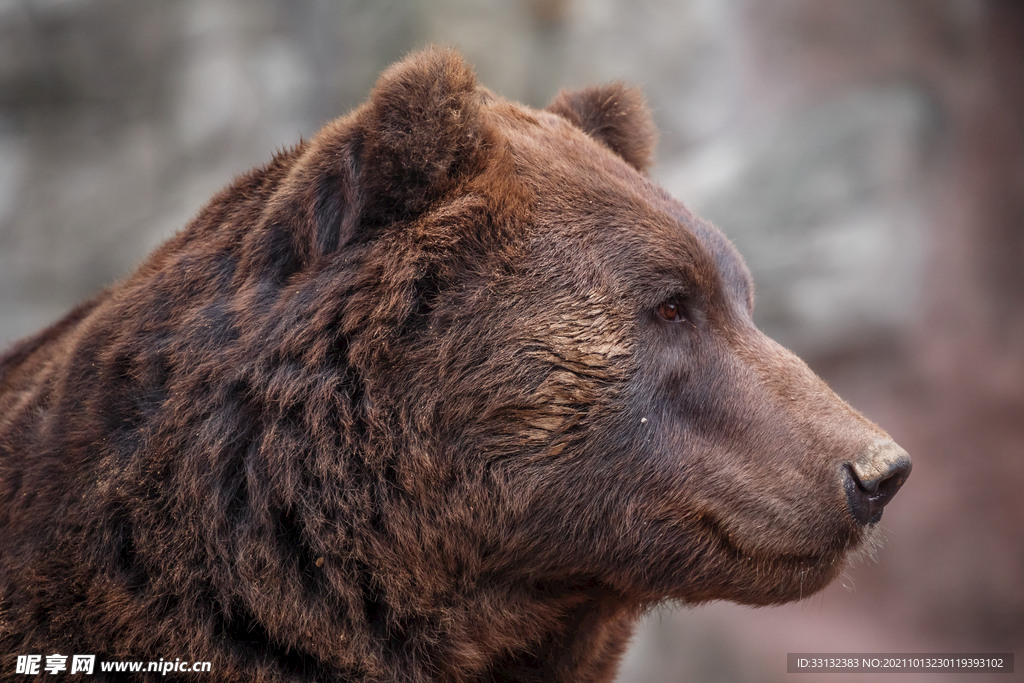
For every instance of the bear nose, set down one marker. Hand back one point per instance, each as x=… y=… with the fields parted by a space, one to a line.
x=874 y=478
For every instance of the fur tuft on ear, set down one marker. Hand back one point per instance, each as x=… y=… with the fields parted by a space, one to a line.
x=421 y=133
x=614 y=114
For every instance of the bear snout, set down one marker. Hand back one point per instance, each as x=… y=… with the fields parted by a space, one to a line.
x=873 y=479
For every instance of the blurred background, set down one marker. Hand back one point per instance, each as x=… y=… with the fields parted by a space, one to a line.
x=866 y=156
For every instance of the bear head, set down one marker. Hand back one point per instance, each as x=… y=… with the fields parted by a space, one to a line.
x=452 y=390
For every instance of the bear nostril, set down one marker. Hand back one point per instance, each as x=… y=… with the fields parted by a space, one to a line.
x=874 y=478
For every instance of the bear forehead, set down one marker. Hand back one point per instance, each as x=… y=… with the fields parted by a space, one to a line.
x=605 y=214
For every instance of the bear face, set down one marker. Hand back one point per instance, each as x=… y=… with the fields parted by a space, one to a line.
x=452 y=391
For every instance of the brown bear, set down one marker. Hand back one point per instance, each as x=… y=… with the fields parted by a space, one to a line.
x=451 y=392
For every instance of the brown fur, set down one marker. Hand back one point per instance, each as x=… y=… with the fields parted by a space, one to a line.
x=399 y=406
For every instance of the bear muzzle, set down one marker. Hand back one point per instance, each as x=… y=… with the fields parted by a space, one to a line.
x=873 y=479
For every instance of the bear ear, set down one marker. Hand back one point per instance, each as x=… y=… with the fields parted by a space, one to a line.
x=421 y=133
x=616 y=115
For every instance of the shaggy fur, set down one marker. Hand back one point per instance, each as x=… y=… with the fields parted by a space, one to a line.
x=450 y=392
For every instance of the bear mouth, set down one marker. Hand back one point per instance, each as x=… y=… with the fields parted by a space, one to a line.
x=762 y=576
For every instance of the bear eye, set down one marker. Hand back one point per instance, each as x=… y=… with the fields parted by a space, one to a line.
x=671 y=312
